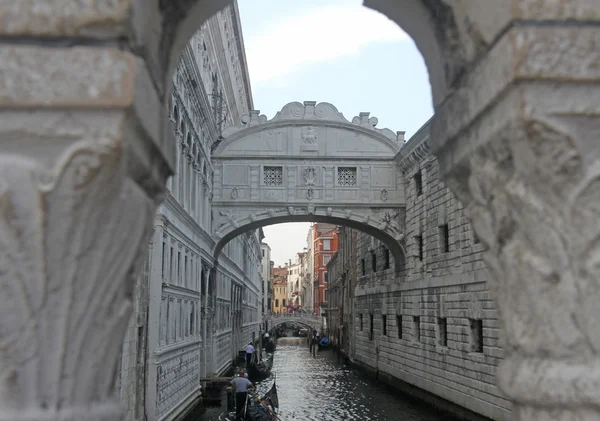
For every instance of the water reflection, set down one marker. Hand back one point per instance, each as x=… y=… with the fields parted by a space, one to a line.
x=323 y=389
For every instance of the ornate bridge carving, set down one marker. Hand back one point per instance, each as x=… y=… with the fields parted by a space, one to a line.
x=310 y=164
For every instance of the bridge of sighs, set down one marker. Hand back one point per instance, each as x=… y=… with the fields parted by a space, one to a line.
x=309 y=164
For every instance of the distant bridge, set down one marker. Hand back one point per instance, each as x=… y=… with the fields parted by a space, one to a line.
x=301 y=318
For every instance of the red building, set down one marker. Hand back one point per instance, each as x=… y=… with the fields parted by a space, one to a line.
x=325 y=244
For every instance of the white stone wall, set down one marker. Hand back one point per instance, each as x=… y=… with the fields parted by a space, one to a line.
x=266 y=279
x=190 y=334
x=438 y=300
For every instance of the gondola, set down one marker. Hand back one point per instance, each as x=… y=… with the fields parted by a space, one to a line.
x=265 y=408
x=261 y=370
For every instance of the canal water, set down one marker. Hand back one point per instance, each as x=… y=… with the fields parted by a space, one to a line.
x=325 y=389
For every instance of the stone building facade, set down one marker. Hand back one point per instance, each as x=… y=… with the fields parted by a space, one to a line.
x=342 y=270
x=191 y=315
x=266 y=275
x=431 y=327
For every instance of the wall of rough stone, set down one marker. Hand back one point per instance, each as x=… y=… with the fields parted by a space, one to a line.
x=448 y=341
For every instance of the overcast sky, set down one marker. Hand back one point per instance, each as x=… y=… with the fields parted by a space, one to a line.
x=333 y=51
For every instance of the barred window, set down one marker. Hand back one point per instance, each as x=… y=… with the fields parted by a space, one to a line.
x=347 y=176
x=273 y=176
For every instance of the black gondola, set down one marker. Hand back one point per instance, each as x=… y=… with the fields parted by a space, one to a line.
x=264 y=409
x=261 y=370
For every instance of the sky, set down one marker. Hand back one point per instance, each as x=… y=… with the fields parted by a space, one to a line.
x=333 y=51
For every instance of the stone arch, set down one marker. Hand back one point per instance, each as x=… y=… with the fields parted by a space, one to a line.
x=433 y=27
x=393 y=239
x=275 y=322
x=494 y=95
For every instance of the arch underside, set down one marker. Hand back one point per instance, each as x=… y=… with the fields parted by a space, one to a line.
x=383 y=224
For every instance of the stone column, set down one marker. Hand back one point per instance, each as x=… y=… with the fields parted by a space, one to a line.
x=77 y=199
x=154 y=309
x=523 y=156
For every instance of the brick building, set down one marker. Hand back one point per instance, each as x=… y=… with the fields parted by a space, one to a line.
x=324 y=246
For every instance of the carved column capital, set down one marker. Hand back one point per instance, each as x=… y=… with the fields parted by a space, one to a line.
x=533 y=194
x=77 y=206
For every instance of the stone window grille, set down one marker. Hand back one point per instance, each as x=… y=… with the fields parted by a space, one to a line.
x=442 y=323
x=418 y=177
x=417 y=328
x=444 y=238
x=399 y=325
x=386 y=259
x=346 y=176
x=419 y=244
x=384 y=324
x=273 y=176
x=476 y=326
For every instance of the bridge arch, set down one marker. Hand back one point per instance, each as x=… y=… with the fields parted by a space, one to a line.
x=389 y=233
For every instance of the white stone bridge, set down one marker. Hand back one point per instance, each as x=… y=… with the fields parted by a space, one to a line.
x=301 y=318
x=309 y=164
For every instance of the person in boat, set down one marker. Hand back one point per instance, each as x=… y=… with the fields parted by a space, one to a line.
x=324 y=341
x=249 y=352
x=313 y=345
x=270 y=347
x=240 y=386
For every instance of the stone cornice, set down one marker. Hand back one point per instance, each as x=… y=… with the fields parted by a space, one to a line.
x=415 y=150
x=239 y=37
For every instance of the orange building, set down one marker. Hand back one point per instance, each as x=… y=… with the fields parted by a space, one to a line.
x=325 y=244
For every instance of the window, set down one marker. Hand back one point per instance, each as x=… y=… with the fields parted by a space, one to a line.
x=347 y=176
x=442 y=331
x=185 y=271
x=363 y=267
x=325 y=277
x=192 y=319
x=371 y=327
x=399 y=325
x=276 y=302
x=164 y=259
x=418 y=183
x=273 y=176
x=476 y=326
x=178 y=267
x=416 y=328
x=361 y=322
x=327 y=245
x=374 y=262
x=384 y=324
x=283 y=302
x=419 y=244
x=326 y=259
x=326 y=296
x=263 y=253
x=475 y=238
x=444 y=238
x=171 y=266
x=386 y=259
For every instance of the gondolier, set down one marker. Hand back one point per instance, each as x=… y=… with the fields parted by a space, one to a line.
x=241 y=385
x=249 y=352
